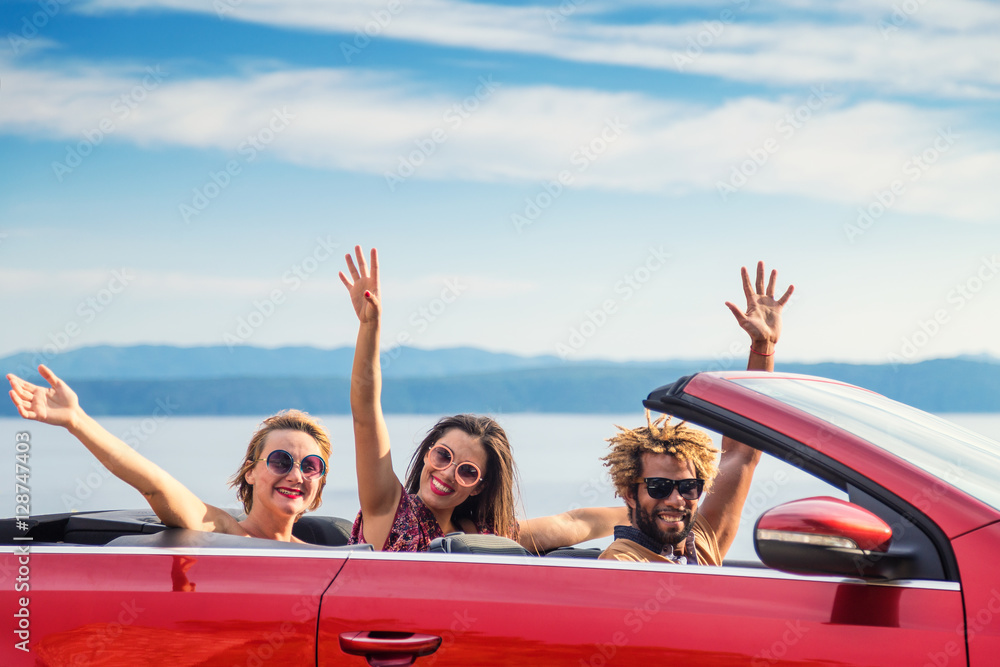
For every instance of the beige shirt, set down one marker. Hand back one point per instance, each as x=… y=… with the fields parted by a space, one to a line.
x=705 y=546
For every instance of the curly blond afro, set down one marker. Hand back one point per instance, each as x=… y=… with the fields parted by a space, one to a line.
x=659 y=437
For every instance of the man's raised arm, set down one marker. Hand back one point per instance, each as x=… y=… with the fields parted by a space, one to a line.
x=762 y=322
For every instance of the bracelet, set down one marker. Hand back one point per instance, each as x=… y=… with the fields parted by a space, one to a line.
x=760 y=354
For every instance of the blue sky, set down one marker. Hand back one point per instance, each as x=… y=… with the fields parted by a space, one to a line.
x=583 y=178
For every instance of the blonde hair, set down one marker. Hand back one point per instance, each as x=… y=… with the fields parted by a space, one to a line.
x=659 y=437
x=286 y=420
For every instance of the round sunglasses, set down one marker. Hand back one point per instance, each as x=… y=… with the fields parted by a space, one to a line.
x=467 y=473
x=281 y=462
x=659 y=488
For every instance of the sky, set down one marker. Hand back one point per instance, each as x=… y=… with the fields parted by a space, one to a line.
x=582 y=178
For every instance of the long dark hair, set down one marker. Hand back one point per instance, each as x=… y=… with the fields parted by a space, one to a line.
x=491 y=509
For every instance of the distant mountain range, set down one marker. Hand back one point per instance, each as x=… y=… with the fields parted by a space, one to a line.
x=163 y=362
x=258 y=381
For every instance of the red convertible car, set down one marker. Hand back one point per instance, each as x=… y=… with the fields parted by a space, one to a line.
x=897 y=574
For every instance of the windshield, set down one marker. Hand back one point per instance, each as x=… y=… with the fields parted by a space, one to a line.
x=957 y=456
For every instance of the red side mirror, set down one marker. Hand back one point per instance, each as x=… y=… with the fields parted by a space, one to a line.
x=822 y=536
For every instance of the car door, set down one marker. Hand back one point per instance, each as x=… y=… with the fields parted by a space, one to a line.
x=137 y=606
x=502 y=610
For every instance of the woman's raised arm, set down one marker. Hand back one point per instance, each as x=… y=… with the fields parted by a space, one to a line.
x=173 y=503
x=379 y=489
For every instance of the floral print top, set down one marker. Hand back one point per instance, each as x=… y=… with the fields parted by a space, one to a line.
x=413 y=527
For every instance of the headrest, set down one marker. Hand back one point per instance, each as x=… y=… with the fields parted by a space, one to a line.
x=464 y=543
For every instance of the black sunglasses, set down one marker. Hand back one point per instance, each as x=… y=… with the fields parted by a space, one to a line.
x=659 y=488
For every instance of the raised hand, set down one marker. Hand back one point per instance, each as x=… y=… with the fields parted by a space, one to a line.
x=762 y=320
x=57 y=405
x=364 y=286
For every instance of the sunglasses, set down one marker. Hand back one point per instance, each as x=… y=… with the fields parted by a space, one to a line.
x=466 y=473
x=659 y=488
x=281 y=462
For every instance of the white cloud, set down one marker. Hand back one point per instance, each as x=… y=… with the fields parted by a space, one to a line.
x=34 y=283
x=883 y=47
x=375 y=123
x=21 y=283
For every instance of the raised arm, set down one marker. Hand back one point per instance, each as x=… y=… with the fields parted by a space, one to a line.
x=564 y=530
x=378 y=487
x=173 y=503
x=762 y=322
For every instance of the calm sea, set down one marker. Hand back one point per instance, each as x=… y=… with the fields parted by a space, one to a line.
x=557 y=456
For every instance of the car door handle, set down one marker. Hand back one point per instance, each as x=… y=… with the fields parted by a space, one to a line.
x=388 y=649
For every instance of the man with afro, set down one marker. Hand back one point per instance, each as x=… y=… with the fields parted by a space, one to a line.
x=661 y=470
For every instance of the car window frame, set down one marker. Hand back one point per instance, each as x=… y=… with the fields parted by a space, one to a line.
x=887 y=505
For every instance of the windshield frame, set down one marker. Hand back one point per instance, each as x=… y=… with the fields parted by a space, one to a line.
x=957 y=456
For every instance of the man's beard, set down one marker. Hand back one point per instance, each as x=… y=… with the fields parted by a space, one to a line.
x=646 y=522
